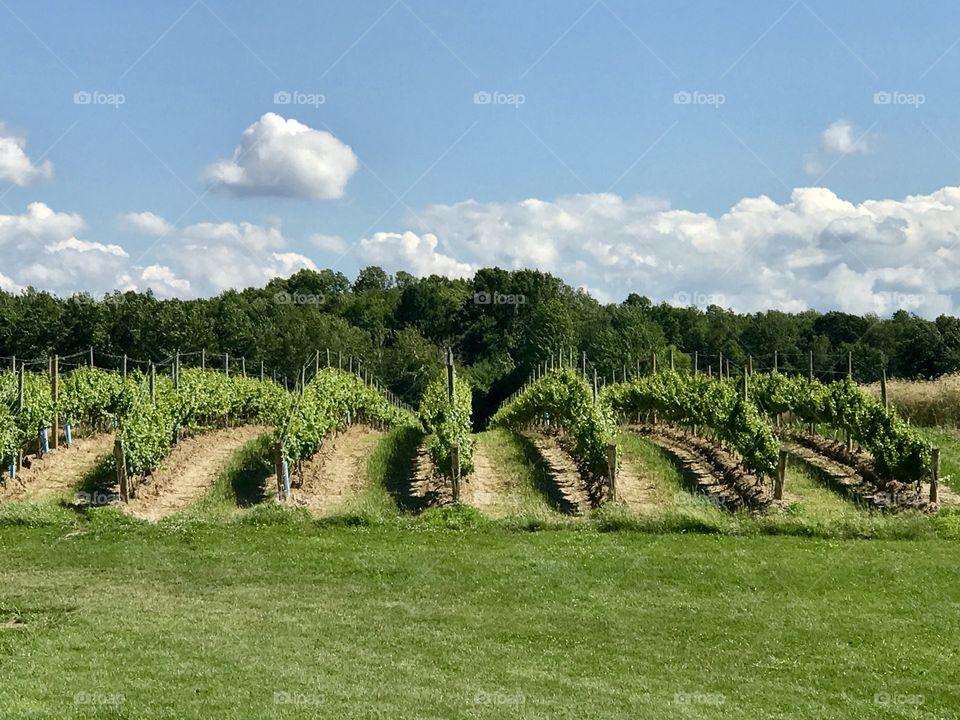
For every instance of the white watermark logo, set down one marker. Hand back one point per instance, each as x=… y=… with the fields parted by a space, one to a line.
x=484 y=97
x=896 y=97
x=98 y=698
x=285 y=298
x=698 y=698
x=889 y=698
x=95 y=97
x=296 y=97
x=296 y=698
x=97 y=498
x=698 y=299
x=485 y=697
x=697 y=97
x=496 y=298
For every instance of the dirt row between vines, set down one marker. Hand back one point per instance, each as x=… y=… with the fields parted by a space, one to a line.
x=59 y=471
x=337 y=473
x=714 y=471
x=188 y=473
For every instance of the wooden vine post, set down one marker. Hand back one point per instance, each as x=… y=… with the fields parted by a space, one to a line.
x=20 y=408
x=781 y=475
x=934 y=475
x=278 y=467
x=883 y=388
x=696 y=361
x=455 y=450
x=55 y=396
x=123 y=480
x=612 y=469
x=153 y=382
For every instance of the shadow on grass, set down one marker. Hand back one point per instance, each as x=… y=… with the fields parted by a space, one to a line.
x=251 y=474
x=543 y=480
x=397 y=458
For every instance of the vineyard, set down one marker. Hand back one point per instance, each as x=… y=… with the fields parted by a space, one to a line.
x=731 y=438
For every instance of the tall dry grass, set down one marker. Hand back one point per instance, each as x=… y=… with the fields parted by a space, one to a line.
x=924 y=402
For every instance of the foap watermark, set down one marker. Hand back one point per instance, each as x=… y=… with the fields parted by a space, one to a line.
x=698 y=97
x=699 y=698
x=285 y=298
x=698 y=299
x=896 y=97
x=95 y=97
x=498 y=697
x=96 y=498
x=485 y=97
x=283 y=697
x=98 y=698
x=496 y=298
x=296 y=97
x=889 y=301
x=894 y=698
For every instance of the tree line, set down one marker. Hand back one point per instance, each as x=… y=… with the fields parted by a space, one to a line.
x=501 y=324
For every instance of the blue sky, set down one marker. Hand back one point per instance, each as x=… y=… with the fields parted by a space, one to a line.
x=783 y=96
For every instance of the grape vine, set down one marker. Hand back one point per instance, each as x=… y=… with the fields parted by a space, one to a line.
x=566 y=400
x=448 y=423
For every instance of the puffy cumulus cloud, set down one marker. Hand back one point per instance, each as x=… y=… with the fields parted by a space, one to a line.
x=841 y=138
x=146 y=223
x=212 y=257
x=15 y=165
x=285 y=157
x=41 y=248
x=414 y=253
x=816 y=250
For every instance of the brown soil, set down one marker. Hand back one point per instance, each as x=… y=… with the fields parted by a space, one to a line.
x=337 y=473
x=563 y=473
x=486 y=488
x=715 y=471
x=189 y=472
x=59 y=471
x=639 y=492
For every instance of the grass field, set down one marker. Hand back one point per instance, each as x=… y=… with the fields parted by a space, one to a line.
x=231 y=621
x=242 y=609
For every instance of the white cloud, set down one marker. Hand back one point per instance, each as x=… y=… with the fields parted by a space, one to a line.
x=414 y=253
x=15 y=165
x=286 y=158
x=842 y=138
x=816 y=250
x=146 y=223
x=41 y=248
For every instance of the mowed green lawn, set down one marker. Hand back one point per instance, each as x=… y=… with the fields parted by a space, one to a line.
x=237 y=620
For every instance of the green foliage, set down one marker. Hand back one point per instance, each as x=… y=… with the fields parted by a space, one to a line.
x=204 y=399
x=17 y=429
x=323 y=408
x=898 y=451
x=449 y=423
x=695 y=399
x=565 y=399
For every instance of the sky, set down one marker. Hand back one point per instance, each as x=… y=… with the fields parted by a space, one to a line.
x=774 y=154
